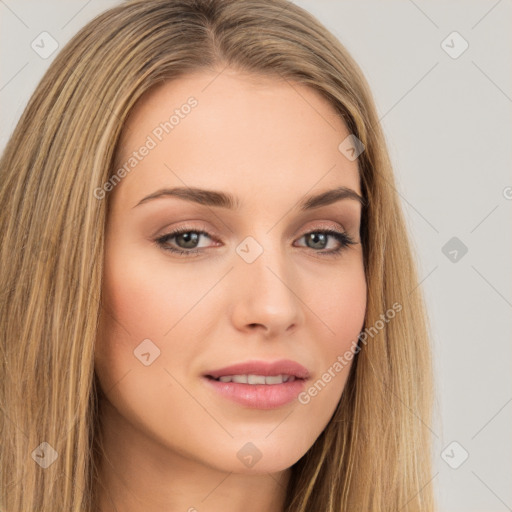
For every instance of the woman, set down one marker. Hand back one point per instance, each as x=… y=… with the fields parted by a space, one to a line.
x=210 y=299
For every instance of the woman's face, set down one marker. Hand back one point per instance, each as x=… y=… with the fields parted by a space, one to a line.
x=252 y=280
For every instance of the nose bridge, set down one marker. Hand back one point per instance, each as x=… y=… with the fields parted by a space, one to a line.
x=264 y=260
x=266 y=293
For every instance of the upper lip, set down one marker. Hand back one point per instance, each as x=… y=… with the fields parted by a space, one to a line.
x=266 y=368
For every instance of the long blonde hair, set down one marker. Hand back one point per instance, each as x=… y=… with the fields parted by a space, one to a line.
x=375 y=453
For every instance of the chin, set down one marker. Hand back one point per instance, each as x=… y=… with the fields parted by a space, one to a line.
x=258 y=456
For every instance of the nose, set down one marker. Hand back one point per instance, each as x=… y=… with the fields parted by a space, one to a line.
x=268 y=296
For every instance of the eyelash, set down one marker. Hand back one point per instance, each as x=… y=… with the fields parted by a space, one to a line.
x=344 y=239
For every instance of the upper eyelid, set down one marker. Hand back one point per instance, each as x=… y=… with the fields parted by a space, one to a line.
x=206 y=231
x=335 y=225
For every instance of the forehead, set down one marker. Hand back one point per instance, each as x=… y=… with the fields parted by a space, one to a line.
x=251 y=133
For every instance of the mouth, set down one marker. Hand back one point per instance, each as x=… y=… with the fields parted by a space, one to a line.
x=259 y=384
x=252 y=379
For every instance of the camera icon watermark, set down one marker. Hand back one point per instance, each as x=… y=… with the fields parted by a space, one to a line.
x=454 y=45
x=351 y=147
x=44 y=45
x=454 y=249
x=249 y=455
x=454 y=455
x=146 y=352
x=249 y=249
x=45 y=455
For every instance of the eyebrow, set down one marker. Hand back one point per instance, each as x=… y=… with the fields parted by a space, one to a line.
x=225 y=200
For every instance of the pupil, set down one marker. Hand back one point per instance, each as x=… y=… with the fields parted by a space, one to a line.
x=190 y=239
x=315 y=237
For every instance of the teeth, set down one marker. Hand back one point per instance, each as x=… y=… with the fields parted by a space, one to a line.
x=274 y=379
x=257 y=379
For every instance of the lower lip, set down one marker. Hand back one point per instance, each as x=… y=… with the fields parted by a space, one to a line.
x=258 y=396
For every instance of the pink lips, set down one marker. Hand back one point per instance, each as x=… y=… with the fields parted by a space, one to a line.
x=260 y=396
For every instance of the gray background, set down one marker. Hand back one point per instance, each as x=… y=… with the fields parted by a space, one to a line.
x=448 y=126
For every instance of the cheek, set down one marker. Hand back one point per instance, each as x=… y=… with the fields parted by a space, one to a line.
x=147 y=300
x=143 y=302
x=134 y=313
x=150 y=307
x=340 y=309
x=341 y=305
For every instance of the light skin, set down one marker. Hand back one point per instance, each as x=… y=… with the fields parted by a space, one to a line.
x=171 y=442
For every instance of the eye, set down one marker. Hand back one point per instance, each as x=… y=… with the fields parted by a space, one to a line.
x=320 y=239
x=186 y=241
